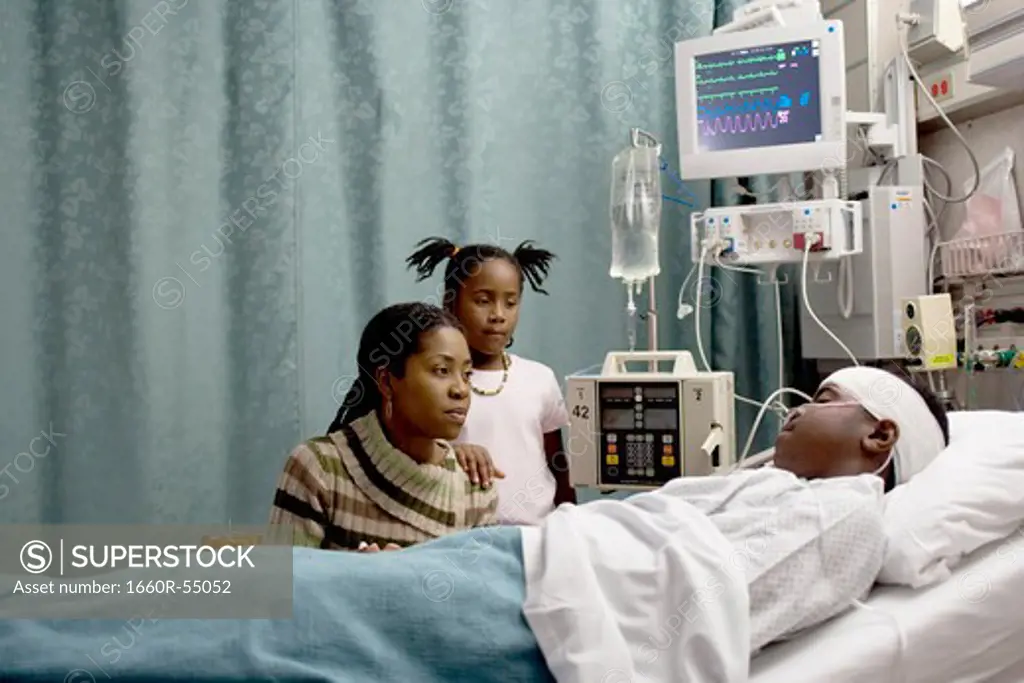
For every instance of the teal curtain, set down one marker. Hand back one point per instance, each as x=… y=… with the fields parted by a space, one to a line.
x=204 y=200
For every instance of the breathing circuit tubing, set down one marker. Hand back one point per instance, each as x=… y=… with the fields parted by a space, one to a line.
x=683 y=309
x=762 y=407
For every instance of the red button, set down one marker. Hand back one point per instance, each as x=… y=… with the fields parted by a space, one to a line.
x=935 y=89
x=945 y=87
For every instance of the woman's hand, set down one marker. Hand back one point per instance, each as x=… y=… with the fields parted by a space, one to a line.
x=477 y=463
x=374 y=548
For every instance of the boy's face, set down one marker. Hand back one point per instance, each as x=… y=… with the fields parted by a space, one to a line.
x=431 y=399
x=488 y=306
x=833 y=437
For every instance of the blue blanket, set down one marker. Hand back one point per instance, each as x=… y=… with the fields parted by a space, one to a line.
x=447 y=611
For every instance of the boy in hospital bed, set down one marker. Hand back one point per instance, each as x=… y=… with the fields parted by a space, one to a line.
x=679 y=584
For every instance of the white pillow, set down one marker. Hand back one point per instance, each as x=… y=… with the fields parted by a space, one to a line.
x=971 y=495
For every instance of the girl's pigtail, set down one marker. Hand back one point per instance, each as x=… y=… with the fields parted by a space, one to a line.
x=534 y=263
x=431 y=253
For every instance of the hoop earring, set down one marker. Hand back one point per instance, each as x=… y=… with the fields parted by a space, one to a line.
x=511 y=340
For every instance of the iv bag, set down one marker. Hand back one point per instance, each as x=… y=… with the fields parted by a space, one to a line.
x=636 y=213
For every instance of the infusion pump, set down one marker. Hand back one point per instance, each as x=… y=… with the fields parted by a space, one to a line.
x=641 y=429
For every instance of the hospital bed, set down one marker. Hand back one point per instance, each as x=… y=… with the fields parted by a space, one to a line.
x=967 y=629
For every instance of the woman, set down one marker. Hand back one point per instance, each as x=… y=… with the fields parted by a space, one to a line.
x=385 y=475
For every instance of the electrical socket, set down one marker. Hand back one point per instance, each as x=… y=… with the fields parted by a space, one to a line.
x=940 y=86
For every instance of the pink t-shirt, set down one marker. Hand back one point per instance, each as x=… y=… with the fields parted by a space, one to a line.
x=511 y=426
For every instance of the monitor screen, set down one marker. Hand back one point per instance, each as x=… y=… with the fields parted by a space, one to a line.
x=617 y=391
x=661 y=393
x=617 y=419
x=758 y=97
x=659 y=418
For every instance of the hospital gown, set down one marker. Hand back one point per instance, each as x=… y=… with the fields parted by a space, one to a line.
x=806 y=551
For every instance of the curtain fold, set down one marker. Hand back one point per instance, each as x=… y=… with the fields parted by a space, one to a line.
x=203 y=202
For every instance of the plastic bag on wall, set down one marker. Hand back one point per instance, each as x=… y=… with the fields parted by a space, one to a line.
x=993 y=210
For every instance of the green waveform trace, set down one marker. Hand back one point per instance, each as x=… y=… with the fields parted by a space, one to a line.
x=759 y=59
x=741 y=77
x=738 y=93
x=713 y=81
x=715 y=65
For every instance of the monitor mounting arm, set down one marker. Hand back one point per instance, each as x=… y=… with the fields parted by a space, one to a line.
x=769 y=13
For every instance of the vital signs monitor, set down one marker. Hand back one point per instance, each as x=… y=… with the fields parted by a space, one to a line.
x=768 y=100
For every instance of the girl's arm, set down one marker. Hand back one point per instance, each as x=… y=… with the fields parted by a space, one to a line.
x=558 y=463
x=477 y=464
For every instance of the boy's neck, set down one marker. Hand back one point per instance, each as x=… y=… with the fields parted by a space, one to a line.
x=487 y=362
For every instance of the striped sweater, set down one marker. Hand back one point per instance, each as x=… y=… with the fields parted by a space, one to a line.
x=354 y=486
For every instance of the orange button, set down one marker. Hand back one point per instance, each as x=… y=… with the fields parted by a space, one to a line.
x=612 y=448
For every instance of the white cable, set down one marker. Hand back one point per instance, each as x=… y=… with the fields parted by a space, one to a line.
x=902 y=26
x=928 y=185
x=696 y=323
x=931 y=265
x=933 y=227
x=811 y=241
x=933 y=220
x=760 y=416
x=735 y=269
x=778 y=330
x=681 y=305
x=778 y=317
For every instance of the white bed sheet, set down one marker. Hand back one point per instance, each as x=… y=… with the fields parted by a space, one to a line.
x=967 y=629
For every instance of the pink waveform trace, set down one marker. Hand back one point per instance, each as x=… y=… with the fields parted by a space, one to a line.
x=744 y=123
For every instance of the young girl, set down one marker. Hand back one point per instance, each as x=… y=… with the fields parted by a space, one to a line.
x=385 y=476
x=518 y=410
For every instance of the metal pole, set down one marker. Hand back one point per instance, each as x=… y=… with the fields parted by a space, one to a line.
x=970 y=332
x=652 y=322
x=652 y=317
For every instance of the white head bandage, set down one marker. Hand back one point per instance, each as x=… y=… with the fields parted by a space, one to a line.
x=887 y=397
